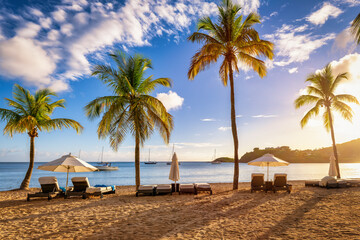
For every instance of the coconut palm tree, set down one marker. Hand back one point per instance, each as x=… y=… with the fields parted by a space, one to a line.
x=321 y=93
x=130 y=109
x=31 y=114
x=233 y=41
x=355 y=27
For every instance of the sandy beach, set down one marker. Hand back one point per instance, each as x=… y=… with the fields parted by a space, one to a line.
x=306 y=213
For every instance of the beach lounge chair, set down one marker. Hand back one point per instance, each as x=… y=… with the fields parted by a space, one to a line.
x=146 y=189
x=187 y=188
x=203 y=187
x=257 y=182
x=280 y=183
x=82 y=188
x=312 y=183
x=49 y=188
x=164 y=189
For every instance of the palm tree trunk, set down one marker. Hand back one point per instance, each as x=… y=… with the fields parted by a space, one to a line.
x=137 y=161
x=234 y=130
x=25 y=183
x=333 y=142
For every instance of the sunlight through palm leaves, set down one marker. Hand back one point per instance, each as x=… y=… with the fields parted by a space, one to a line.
x=31 y=113
x=130 y=110
x=235 y=41
x=321 y=93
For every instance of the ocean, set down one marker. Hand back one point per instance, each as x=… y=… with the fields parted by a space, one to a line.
x=12 y=173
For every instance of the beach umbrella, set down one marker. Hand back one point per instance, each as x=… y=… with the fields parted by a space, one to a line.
x=268 y=160
x=332 y=169
x=67 y=163
x=174 y=169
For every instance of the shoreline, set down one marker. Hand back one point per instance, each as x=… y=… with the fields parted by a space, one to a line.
x=305 y=213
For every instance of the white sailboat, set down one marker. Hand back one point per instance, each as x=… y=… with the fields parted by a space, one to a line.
x=172 y=153
x=105 y=166
x=150 y=162
x=214 y=157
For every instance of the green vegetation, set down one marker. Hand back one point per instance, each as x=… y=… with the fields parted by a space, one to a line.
x=234 y=41
x=321 y=93
x=31 y=114
x=223 y=159
x=349 y=152
x=130 y=109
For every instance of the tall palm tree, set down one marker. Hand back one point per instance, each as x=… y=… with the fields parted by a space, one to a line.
x=130 y=109
x=321 y=93
x=31 y=114
x=234 y=42
x=355 y=27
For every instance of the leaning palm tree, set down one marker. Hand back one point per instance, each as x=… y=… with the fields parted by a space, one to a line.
x=234 y=42
x=321 y=93
x=355 y=27
x=130 y=109
x=31 y=114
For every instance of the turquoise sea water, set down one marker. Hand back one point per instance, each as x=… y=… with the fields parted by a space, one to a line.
x=11 y=174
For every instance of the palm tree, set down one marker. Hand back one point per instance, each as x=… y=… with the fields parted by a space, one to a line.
x=235 y=42
x=355 y=26
x=321 y=93
x=130 y=109
x=31 y=114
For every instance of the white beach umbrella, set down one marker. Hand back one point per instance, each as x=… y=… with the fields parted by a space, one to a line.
x=68 y=163
x=332 y=169
x=174 y=169
x=268 y=160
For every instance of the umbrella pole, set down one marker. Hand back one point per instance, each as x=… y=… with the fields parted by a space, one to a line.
x=67 y=179
x=267 y=171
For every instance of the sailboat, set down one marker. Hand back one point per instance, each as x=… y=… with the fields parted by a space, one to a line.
x=213 y=160
x=150 y=162
x=105 y=166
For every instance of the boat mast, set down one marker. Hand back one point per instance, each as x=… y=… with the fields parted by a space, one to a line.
x=102 y=153
x=149 y=156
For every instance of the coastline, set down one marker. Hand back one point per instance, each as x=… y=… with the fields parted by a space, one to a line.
x=311 y=213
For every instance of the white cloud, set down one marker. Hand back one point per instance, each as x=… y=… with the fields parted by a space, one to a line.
x=248 y=6
x=293 y=70
x=344 y=39
x=171 y=100
x=224 y=128
x=59 y=15
x=274 y=14
x=33 y=64
x=239 y=116
x=207 y=120
x=292 y=45
x=132 y=24
x=320 y=16
x=36 y=12
x=29 y=30
x=264 y=116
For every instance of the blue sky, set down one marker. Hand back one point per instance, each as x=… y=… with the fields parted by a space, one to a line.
x=55 y=44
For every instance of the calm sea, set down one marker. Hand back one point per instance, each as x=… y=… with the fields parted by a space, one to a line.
x=11 y=173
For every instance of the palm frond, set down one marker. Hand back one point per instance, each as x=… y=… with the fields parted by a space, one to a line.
x=60 y=123
x=344 y=109
x=311 y=113
x=355 y=28
x=346 y=97
x=306 y=100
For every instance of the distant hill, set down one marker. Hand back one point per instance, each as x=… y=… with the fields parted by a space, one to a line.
x=349 y=152
x=223 y=159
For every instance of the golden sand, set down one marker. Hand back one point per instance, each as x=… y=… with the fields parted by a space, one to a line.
x=306 y=213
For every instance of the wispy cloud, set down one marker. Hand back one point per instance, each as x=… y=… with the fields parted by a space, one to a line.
x=208 y=120
x=224 y=128
x=76 y=30
x=264 y=116
x=239 y=116
x=320 y=16
x=293 y=70
x=293 y=45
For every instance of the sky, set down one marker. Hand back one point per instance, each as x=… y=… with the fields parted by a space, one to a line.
x=54 y=44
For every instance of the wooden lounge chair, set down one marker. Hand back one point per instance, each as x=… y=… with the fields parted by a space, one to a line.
x=203 y=187
x=146 y=189
x=257 y=182
x=280 y=183
x=164 y=189
x=187 y=188
x=83 y=189
x=49 y=188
